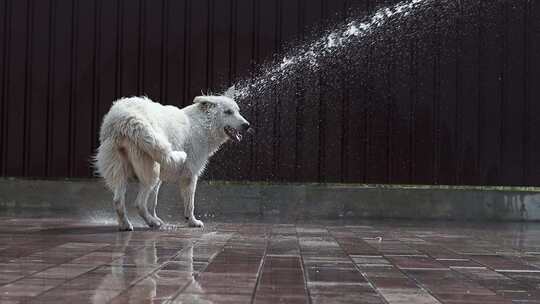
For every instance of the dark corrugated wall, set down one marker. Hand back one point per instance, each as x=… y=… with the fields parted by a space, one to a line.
x=473 y=119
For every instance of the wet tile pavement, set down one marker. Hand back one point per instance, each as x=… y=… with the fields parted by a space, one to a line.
x=72 y=261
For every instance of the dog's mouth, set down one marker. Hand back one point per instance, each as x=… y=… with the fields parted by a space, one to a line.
x=233 y=133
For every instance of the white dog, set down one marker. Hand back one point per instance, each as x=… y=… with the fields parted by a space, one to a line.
x=152 y=143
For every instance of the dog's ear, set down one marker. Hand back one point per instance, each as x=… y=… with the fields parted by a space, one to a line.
x=204 y=102
x=231 y=92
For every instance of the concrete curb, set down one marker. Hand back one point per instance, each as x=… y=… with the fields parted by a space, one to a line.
x=89 y=198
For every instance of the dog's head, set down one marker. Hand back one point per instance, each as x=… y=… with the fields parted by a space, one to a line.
x=225 y=113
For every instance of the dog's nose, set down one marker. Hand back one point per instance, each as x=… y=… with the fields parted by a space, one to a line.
x=245 y=125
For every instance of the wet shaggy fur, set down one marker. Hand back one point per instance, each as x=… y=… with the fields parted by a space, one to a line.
x=152 y=143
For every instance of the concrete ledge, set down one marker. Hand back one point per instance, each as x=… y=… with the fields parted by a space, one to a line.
x=89 y=198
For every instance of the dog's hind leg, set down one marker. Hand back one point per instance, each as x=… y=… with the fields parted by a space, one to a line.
x=119 y=202
x=141 y=203
x=147 y=172
x=154 y=201
x=187 y=191
x=112 y=164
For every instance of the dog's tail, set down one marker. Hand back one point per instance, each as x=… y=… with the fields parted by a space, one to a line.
x=113 y=165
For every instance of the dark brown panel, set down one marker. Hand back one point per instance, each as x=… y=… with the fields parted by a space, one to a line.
x=512 y=151
x=307 y=152
x=5 y=25
x=376 y=110
x=36 y=120
x=265 y=141
x=16 y=97
x=107 y=59
x=131 y=51
x=533 y=93
x=60 y=103
x=377 y=128
x=154 y=20
x=448 y=104
x=288 y=108
x=402 y=134
x=83 y=75
x=467 y=100
x=242 y=54
x=426 y=69
x=332 y=111
x=527 y=58
x=220 y=47
x=219 y=60
x=175 y=48
x=489 y=119
x=198 y=61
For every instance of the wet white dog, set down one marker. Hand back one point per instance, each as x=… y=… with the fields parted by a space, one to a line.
x=152 y=143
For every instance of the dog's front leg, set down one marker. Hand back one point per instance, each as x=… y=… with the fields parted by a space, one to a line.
x=187 y=190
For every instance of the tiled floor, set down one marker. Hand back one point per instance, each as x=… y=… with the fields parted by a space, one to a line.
x=67 y=261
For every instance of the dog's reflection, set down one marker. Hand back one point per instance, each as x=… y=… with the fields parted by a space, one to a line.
x=144 y=273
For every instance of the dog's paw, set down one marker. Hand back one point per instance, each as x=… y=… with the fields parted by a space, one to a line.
x=195 y=223
x=154 y=223
x=125 y=227
x=160 y=221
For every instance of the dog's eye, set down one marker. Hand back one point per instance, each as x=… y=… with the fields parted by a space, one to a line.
x=228 y=112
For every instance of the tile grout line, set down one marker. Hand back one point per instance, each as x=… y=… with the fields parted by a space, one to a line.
x=261 y=265
x=358 y=269
x=302 y=265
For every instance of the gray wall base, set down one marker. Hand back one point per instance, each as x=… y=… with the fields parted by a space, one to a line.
x=89 y=198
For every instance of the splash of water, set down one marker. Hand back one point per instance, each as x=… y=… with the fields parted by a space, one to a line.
x=371 y=69
x=312 y=57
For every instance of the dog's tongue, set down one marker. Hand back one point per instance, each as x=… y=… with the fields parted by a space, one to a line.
x=237 y=136
x=234 y=134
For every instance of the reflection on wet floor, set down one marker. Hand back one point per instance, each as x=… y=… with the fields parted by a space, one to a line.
x=70 y=261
